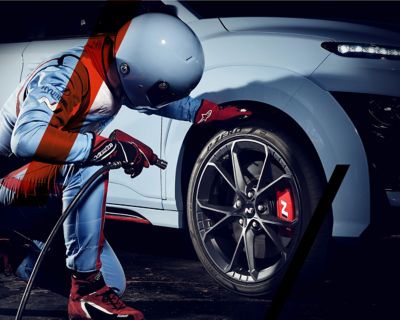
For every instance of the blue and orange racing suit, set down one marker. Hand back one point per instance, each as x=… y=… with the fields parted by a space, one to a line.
x=46 y=133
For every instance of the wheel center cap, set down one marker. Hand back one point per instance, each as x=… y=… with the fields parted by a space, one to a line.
x=249 y=211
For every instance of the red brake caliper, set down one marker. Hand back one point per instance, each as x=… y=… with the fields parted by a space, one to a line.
x=284 y=204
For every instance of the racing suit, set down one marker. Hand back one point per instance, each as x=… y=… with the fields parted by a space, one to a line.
x=49 y=122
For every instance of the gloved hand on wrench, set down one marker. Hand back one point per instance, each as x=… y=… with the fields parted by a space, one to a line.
x=121 y=147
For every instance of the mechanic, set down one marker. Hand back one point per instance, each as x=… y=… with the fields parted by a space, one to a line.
x=50 y=140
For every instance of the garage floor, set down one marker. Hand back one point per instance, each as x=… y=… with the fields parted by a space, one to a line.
x=166 y=281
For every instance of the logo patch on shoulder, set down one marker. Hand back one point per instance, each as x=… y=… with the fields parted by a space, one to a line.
x=51 y=106
x=52 y=96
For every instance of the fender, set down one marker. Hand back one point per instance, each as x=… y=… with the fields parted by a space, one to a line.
x=330 y=130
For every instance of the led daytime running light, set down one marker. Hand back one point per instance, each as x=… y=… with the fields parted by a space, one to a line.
x=362 y=50
x=344 y=48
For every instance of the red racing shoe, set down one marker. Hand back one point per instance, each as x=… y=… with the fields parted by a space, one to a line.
x=91 y=298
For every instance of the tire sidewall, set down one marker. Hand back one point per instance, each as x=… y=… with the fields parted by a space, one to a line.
x=308 y=182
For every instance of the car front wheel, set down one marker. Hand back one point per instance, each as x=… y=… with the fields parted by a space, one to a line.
x=251 y=194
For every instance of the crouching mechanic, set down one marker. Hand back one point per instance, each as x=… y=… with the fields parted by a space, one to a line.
x=50 y=139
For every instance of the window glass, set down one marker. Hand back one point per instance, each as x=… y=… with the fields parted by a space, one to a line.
x=31 y=20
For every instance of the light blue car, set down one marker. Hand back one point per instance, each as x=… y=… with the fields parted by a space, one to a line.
x=322 y=92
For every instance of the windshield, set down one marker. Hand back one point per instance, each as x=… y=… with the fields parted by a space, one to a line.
x=382 y=14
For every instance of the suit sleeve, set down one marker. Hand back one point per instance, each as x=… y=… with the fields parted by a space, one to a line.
x=184 y=109
x=53 y=96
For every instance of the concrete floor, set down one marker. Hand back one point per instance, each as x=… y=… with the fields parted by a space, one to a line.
x=166 y=281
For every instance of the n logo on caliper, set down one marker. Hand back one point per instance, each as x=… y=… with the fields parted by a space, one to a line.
x=285 y=205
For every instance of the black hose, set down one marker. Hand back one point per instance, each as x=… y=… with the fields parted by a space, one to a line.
x=53 y=232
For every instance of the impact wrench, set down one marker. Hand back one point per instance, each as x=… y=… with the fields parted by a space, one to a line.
x=162 y=164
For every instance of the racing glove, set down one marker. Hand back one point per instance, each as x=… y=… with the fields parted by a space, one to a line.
x=150 y=157
x=210 y=111
x=105 y=150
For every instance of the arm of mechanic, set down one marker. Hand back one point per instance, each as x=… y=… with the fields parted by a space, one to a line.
x=200 y=111
x=53 y=97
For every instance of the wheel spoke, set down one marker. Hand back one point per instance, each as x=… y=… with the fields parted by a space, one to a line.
x=224 y=174
x=216 y=226
x=281 y=179
x=275 y=238
x=249 y=248
x=240 y=183
x=202 y=203
x=265 y=171
x=235 y=255
x=278 y=222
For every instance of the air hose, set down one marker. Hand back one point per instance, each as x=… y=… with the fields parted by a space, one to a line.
x=116 y=134
x=54 y=231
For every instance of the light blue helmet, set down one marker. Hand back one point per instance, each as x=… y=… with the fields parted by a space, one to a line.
x=159 y=60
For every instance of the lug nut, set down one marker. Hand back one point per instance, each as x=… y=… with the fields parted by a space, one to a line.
x=241 y=221
x=250 y=194
x=238 y=204
x=254 y=224
x=260 y=208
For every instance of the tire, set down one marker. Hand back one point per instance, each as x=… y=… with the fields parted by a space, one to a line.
x=242 y=232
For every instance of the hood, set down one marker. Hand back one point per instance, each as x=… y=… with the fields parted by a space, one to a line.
x=326 y=29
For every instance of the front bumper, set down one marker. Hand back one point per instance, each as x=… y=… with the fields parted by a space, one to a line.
x=377 y=121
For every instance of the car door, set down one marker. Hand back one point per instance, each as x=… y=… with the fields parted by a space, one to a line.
x=143 y=191
x=10 y=68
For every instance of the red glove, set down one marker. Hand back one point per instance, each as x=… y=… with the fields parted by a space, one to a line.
x=106 y=151
x=145 y=150
x=210 y=111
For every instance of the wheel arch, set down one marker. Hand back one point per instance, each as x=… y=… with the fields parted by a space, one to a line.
x=299 y=101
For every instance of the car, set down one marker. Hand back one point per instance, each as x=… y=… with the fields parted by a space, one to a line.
x=322 y=93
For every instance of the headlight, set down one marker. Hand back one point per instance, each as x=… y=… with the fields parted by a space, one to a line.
x=359 y=50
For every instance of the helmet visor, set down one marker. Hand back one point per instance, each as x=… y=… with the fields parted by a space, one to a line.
x=160 y=94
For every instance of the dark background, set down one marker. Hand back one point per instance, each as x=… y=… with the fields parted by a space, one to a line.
x=40 y=20
x=165 y=279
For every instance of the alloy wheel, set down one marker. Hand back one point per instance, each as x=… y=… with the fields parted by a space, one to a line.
x=247 y=210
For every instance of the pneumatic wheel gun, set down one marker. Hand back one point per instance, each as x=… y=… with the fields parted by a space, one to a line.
x=152 y=158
